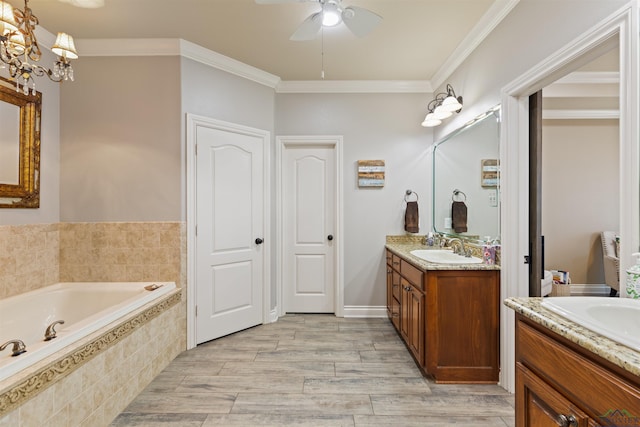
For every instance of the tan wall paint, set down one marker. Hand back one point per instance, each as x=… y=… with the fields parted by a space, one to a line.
x=121 y=141
x=580 y=194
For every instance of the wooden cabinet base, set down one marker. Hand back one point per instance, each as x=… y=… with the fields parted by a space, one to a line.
x=448 y=319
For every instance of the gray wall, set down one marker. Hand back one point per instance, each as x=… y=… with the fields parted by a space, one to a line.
x=121 y=151
x=375 y=127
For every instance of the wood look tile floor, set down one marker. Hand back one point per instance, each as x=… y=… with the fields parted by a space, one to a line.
x=310 y=370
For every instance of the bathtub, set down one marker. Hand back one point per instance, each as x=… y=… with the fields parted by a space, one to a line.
x=84 y=308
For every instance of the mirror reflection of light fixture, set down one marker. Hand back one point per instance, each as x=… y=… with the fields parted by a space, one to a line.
x=19 y=49
x=331 y=14
x=442 y=106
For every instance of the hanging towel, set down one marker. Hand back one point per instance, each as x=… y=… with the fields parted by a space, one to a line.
x=411 y=219
x=459 y=217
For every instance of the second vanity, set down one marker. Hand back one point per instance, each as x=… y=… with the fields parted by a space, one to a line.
x=447 y=314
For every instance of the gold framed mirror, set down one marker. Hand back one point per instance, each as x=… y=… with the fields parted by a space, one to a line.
x=19 y=147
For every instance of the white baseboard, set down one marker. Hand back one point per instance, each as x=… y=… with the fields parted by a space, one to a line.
x=590 y=290
x=365 y=311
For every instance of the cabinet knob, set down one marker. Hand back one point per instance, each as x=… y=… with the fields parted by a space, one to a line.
x=407 y=288
x=567 y=420
x=330 y=237
x=259 y=241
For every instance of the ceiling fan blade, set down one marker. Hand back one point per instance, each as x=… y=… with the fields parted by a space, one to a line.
x=360 y=21
x=89 y=4
x=284 y=1
x=309 y=28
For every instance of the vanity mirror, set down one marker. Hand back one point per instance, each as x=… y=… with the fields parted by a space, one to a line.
x=19 y=147
x=466 y=169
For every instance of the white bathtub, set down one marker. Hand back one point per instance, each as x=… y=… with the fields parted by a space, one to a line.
x=84 y=307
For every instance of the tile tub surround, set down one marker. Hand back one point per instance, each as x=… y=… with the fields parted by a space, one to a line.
x=618 y=354
x=95 y=379
x=29 y=257
x=403 y=245
x=122 y=252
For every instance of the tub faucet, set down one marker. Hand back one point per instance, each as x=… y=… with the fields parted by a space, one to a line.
x=18 y=347
x=51 y=333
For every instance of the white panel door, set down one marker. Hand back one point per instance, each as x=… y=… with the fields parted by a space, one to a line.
x=309 y=205
x=229 y=216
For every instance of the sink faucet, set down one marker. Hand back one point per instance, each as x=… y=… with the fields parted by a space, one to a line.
x=18 y=347
x=459 y=247
x=51 y=333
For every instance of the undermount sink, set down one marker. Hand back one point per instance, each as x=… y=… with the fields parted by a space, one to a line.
x=614 y=318
x=443 y=256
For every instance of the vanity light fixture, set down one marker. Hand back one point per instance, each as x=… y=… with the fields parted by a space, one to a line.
x=442 y=106
x=19 y=49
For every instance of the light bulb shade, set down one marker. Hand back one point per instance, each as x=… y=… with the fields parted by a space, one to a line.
x=451 y=103
x=440 y=113
x=17 y=44
x=64 y=46
x=7 y=18
x=431 y=121
x=331 y=14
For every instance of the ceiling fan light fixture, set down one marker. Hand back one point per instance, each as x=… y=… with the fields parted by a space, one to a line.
x=331 y=14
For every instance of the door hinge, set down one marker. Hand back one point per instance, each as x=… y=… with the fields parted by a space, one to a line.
x=196 y=149
x=196 y=230
x=527 y=259
x=196 y=311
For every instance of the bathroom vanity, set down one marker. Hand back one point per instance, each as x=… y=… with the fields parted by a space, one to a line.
x=568 y=375
x=447 y=314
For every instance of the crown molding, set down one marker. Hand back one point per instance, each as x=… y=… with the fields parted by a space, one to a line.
x=174 y=47
x=585 y=84
x=489 y=21
x=354 y=86
x=580 y=114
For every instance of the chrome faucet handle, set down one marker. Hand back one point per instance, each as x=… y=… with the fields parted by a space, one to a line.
x=51 y=333
x=18 y=347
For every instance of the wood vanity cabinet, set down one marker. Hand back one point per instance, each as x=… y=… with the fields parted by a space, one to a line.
x=449 y=319
x=560 y=383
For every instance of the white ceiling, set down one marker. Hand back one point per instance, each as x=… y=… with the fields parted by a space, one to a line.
x=417 y=39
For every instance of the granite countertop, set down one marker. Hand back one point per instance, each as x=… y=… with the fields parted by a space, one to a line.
x=403 y=245
x=618 y=354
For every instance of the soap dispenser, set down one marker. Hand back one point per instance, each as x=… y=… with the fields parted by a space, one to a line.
x=633 y=279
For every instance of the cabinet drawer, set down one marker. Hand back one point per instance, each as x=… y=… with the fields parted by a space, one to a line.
x=412 y=274
x=569 y=372
x=389 y=257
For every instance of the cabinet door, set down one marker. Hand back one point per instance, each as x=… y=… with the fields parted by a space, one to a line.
x=540 y=405
x=405 y=288
x=389 y=290
x=416 y=324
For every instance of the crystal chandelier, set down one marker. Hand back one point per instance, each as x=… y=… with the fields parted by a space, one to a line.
x=19 y=49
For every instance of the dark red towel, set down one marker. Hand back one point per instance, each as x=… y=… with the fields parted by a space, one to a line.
x=411 y=219
x=459 y=217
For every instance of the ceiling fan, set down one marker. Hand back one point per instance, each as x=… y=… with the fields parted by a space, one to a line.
x=358 y=20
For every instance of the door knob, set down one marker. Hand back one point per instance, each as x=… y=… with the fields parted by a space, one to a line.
x=330 y=237
x=259 y=241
